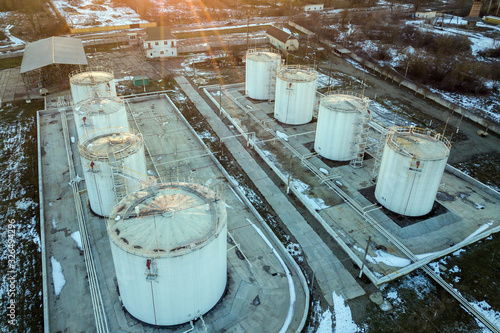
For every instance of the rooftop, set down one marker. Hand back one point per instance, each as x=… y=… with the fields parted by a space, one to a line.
x=158 y=33
x=279 y=34
x=168 y=220
x=53 y=50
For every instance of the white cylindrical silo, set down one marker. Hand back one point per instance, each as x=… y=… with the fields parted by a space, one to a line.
x=169 y=250
x=113 y=163
x=84 y=84
x=100 y=111
x=336 y=130
x=260 y=75
x=411 y=169
x=295 y=94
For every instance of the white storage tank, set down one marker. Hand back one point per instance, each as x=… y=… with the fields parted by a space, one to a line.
x=260 y=75
x=295 y=94
x=113 y=163
x=100 y=111
x=411 y=169
x=84 y=83
x=169 y=251
x=337 y=127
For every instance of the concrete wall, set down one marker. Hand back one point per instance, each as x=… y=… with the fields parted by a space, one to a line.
x=472 y=181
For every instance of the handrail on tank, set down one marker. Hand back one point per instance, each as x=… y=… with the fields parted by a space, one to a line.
x=107 y=131
x=285 y=68
x=364 y=100
x=263 y=49
x=96 y=95
x=187 y=186
x=91 y=69
x=409 y=130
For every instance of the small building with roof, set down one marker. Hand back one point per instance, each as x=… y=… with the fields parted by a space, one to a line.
x=159 y=42
x=282 y=40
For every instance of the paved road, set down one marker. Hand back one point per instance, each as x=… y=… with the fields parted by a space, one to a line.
x=329 y=272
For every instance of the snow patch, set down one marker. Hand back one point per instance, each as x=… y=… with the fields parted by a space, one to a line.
x=78 y=239
x=343 y=316
x=325 y=325
x=282 y=135
x=57 y=275
x=295 y=251
x=303 y=188
x=488 y=312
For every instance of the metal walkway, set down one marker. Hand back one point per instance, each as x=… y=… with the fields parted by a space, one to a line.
x=95 y=291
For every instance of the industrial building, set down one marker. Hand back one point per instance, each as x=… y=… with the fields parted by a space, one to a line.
x=282 y=40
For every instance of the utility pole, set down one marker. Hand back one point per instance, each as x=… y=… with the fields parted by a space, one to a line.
x=248 y=23
x=289 y=175
x=364 y=258
x=220 y=98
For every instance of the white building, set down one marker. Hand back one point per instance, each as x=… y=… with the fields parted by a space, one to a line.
x=313 y=7
x=428 y=14
x=159 y=42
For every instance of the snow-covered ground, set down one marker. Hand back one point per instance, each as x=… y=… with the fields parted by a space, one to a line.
x=338 y=322
x=455 y=25
x=13 y=41
x=95 y=13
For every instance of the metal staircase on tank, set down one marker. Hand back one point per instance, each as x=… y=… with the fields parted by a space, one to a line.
x=119 y=183
x=272 y=84
x=360 y=142
x=377 y=156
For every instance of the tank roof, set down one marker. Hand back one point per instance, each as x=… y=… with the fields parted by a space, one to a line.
x=419 y=143
x=263 y=56
x=91 y=77
x=297 y=74
x=118 y=143
x=345 y=102
x=166 y=220
x=99 y=102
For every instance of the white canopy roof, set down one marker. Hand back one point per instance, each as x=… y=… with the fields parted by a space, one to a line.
x=53 y=50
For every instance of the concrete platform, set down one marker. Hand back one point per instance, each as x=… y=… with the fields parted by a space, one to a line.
x=471 y=208
x=329 y=271
x=173 y=152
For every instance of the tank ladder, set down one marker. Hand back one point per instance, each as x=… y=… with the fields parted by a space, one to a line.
x=377 y=155
x=119 y=183
x=361 y=140
x=272 y=84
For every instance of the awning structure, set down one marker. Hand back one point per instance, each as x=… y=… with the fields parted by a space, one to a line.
x=53 y=50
